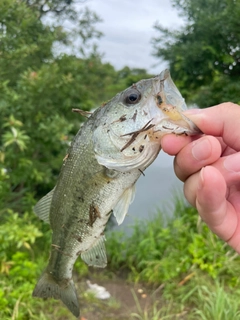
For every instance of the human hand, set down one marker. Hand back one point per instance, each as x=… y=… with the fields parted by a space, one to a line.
x=209 y=166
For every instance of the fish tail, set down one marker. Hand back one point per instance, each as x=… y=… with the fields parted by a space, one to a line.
x=49 y=287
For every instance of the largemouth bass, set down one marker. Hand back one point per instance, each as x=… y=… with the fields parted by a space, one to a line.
x=107 y=156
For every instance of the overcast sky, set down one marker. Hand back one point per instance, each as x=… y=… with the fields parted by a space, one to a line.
x=128 y=29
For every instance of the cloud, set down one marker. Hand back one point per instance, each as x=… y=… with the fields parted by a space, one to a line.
x=128 y=30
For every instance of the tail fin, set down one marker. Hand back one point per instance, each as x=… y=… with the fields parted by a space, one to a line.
x=48 y=287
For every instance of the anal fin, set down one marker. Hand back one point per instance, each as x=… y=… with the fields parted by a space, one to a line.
x=96 y=255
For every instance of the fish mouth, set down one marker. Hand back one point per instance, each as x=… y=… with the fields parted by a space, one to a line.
x=174 y=122
x=177 y=124
x=134 y=134
x=168 y=117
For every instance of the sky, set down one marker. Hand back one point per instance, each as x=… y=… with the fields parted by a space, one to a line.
x=128 y=29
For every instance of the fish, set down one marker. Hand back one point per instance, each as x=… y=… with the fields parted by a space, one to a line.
x=113 y=147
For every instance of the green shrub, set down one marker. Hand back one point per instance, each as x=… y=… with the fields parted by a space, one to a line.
x=159 y=252
x=20 y=263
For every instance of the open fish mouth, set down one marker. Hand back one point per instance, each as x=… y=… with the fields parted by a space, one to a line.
x=134 y=134
x=175 y=122
x=181 y=125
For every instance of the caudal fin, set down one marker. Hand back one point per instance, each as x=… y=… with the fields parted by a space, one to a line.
x=48 y=287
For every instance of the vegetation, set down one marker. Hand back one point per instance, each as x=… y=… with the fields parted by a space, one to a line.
x=181 y=249
x=45 y=71
x=40 y=84
x=204 y=55
x=195 y=274
x=38 y=89
x=187 y=271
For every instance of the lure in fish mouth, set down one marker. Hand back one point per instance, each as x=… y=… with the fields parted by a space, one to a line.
x=134 y=135
x=106 y=158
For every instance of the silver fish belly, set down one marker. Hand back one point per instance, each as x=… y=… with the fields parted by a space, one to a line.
x=107 y=156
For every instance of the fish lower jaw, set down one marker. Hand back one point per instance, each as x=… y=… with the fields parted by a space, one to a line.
x=178 y=127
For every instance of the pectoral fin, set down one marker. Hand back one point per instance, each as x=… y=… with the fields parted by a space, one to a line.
x=42 y=208
x=121 y=208
x=96 y=255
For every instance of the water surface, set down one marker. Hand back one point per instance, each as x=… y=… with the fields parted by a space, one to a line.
x=155 y=190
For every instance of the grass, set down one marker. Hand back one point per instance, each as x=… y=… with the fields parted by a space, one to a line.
x=198 y=271
x=217 y=303
x=189 y=272
x=155 y=311
x=212 y=301
x=159 y=252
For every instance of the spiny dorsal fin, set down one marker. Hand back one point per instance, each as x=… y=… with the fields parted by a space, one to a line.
x=96 y=255
x=42 y=208
x=121 y=208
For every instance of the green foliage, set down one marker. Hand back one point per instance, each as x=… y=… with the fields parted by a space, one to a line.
x=40 y=84
x=216 y=303
x=18 y=267
x=204 y=55
x=199 y=301
x=24 y=252
x=38 y=89
x=25 y=40
x=45 y=71
x=57 y=7
x=196 y=273
x=156 y=311
x=168 y=252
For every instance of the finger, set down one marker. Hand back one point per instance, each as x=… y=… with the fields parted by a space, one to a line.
x=190 y=188
x=219 y=121
x=234 y=199
x=228 y=167
x=195 y=155
x=172 y=144
x=215 y=210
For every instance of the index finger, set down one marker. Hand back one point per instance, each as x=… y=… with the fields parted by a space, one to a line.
x=219 y=121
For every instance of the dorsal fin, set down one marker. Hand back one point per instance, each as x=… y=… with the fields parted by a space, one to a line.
x=82 y=112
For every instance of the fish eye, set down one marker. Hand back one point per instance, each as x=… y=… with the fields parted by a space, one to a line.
x=132 y=97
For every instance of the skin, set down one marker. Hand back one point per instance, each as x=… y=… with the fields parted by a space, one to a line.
x=209 y=166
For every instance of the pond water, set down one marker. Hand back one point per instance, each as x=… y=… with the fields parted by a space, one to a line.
x=156 y=190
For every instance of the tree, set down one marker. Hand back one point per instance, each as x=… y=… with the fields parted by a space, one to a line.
x=57 y=7
x=38 y=89
x=45 y=71
x=204 y=55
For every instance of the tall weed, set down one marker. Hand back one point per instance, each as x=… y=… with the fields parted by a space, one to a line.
x=159 y=251
x=216 y=303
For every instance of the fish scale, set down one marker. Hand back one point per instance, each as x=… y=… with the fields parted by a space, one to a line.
x=107 y=156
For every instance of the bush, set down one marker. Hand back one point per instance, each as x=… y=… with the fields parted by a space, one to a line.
x=159 y=252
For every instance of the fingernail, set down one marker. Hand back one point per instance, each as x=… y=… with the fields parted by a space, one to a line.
x=201 y=149
x=201 y=179
x=232 y=162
